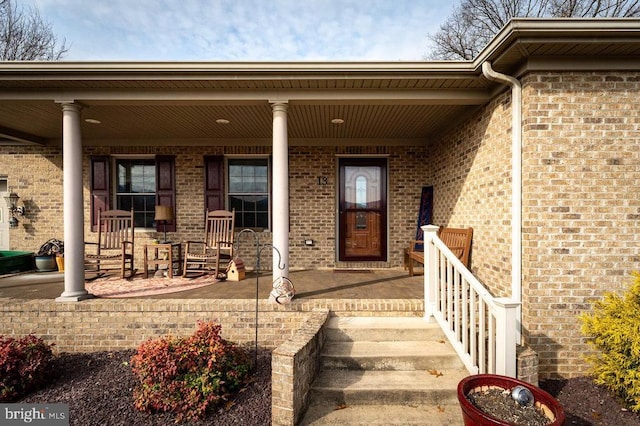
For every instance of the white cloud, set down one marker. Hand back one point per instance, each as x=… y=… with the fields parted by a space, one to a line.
x=247 y=30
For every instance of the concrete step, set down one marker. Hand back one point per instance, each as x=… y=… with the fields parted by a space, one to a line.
x=350 y=387
x=396 y=415
x=395 y=355
x=350 y=329
x=385 y=371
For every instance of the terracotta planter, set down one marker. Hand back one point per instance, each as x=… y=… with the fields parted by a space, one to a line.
x=475 y=417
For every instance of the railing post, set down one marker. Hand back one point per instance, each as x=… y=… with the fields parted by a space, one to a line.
x=430 y=270
x=506 y=336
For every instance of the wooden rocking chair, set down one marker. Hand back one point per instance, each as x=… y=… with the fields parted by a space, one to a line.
x=458 y=240
x=114 y=249
x=204 y=257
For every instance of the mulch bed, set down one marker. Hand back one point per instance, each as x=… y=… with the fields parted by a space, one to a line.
x=587 y=404
x=98 y=388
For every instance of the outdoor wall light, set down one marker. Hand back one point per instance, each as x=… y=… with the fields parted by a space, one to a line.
x=14 y=210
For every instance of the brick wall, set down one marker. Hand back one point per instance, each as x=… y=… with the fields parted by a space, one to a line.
x=313 y=198
x=472 y=188
x=313 y=203
x=114 y=324
x=294 y=366
x=35 y=174
x=110 y=324
x=581 y=212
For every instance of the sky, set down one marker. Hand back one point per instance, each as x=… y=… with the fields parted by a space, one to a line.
x=244 y=30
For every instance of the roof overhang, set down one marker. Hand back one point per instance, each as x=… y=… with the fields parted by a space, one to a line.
x=388 y=102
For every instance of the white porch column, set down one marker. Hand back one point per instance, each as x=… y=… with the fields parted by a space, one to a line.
x=280 y=206
x=74 y=289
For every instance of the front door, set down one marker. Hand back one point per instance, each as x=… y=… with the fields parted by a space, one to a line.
x=363 y=209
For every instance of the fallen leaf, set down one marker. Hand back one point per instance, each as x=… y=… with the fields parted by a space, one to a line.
x=341 y=407
x=435 y=373
x=440 y=408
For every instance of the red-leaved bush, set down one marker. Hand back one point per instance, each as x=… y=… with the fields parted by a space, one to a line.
x=187 y=376
x=25 y=365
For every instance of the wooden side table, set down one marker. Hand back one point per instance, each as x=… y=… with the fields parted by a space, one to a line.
x=166 y=254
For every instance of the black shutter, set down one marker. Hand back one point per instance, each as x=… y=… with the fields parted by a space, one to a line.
x=100 y=183
x=166 y=187
x=214 y=182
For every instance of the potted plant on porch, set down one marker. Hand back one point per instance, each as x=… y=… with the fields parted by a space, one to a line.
x=46 y=255
x=492 y=399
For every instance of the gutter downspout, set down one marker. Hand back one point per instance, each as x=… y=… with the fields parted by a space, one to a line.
x=516 y=186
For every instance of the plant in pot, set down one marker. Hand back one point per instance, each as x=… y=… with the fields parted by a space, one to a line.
x=492 y=399
x=46 y=255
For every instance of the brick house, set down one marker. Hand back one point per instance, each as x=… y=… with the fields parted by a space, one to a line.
x=553 y=204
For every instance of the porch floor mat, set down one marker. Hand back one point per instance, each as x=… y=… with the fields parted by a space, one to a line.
x=352 y=271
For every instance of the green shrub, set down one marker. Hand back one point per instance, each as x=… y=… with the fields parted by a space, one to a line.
x=25 y=365
x=186 y=376
x=613 y=329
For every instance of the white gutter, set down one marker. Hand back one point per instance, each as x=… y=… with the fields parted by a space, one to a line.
x=516 y=185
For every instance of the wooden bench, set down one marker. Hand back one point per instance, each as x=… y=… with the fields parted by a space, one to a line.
x=458 y=240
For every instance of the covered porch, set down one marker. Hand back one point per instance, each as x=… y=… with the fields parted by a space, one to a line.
x=309 y=284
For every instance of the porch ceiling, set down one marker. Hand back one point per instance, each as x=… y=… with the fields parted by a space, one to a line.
x=168 y=104
x=41 y=121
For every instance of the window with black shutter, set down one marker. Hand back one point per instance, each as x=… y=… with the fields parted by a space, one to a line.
x=140 y=184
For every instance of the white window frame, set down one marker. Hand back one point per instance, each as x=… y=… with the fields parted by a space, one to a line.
x=229 y=159
x=115 y=159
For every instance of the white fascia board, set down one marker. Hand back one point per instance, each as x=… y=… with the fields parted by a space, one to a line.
x=88 y=69
x=344 y=96
x=559 y=30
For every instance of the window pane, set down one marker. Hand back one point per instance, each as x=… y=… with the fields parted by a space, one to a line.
x=143 y=178
x=235 y=184
x=262 y=220
x=124 y=202
x=235 y=203
x=249 y=192
x=262 y=204
x=149 y=221
x=136 y=185
x=261 y=184
x=138 y=203
x=249 y=220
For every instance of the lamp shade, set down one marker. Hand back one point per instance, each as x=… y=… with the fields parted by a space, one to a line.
x=164 y=213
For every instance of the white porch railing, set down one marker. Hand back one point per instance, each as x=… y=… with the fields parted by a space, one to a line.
x=481 y=328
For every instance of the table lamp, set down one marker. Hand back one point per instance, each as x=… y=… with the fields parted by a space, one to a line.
x=164 y=214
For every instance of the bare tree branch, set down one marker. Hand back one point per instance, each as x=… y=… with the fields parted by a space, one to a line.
x=473 y=23
x=25 y=36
